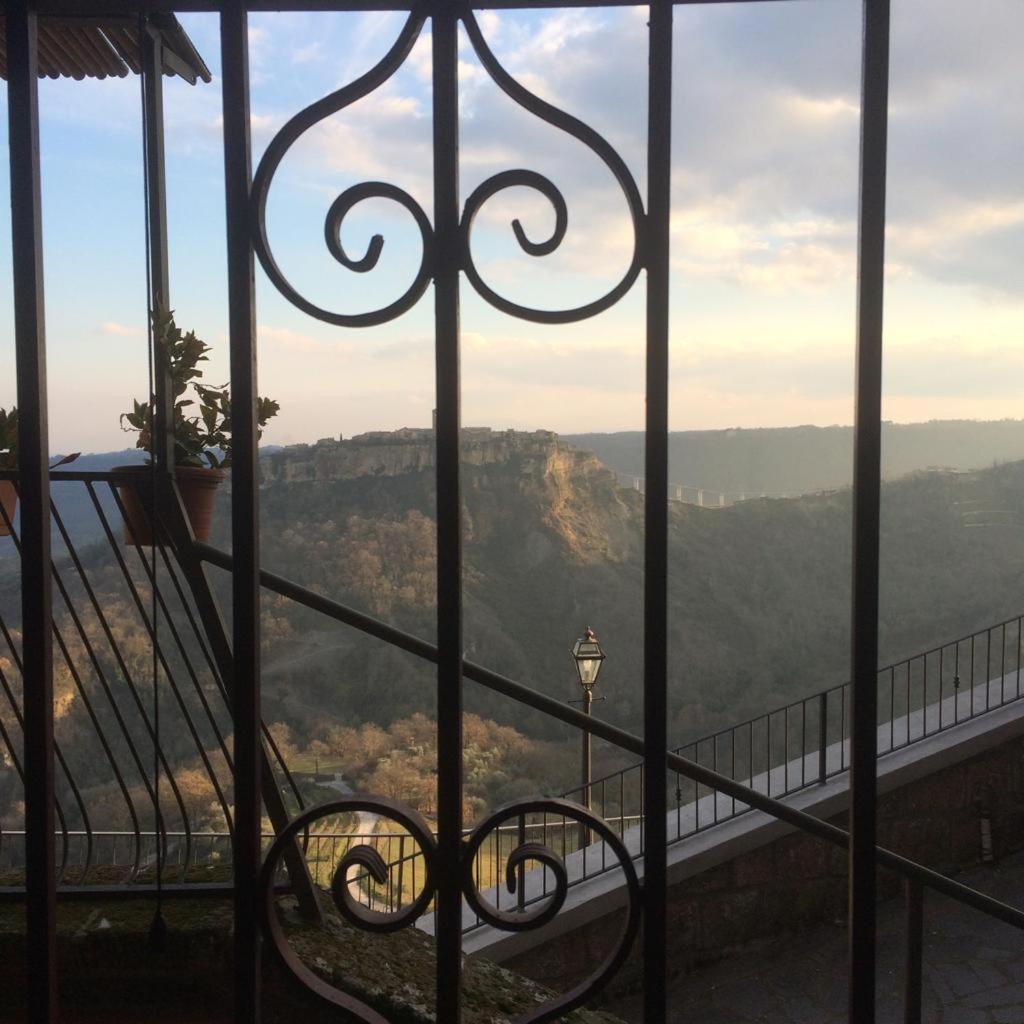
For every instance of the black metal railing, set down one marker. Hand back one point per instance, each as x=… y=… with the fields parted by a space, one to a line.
x=555 y=826
x=105 y=666
x=777 y=754
x=806 y=742
x=773 y=755
x=447 y=266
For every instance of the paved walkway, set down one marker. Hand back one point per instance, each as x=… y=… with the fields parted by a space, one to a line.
x=973 y=969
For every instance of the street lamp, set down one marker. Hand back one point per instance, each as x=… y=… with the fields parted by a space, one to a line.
x=588 y=658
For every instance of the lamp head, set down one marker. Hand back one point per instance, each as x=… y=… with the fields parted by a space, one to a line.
x=589 y=657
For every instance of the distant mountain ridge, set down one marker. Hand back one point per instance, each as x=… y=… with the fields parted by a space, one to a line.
x=776 y=460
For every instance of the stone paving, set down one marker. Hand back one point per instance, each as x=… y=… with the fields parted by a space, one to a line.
x=973 y=969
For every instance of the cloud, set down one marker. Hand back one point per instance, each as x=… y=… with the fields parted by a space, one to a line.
x=289 y=340
x=111 y=327
x=764 y=189
x=311 y=52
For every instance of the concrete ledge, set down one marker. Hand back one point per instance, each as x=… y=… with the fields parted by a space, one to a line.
x=597 y=897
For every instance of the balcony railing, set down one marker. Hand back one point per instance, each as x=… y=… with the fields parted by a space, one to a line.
x=773 y=755
x=106 y=667
x=218 y=684
x=776 y=754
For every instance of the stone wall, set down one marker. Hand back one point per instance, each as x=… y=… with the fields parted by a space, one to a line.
x=796 y=880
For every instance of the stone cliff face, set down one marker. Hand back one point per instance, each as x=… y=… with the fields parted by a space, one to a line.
x=401 y=451
x=509 y=479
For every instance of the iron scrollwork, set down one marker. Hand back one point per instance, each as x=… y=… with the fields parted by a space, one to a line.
x=364 y=856
x=530 y=179
x=363 y=86
x=361 y=856
x=279 y=146
x=530 y=920
x=368 y=859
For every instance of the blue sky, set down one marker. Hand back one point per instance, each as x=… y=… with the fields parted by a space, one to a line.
x=764 y=206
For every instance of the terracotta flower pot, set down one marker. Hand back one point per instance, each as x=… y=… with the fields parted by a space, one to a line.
x=198 y=487
x=9 y=500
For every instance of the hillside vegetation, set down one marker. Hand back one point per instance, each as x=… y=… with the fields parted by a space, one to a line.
x=759 y=592
x=759 y=612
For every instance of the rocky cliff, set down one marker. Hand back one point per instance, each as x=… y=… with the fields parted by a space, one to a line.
x=409 y=450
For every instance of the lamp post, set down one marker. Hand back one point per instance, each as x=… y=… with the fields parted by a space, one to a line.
x=588 y=658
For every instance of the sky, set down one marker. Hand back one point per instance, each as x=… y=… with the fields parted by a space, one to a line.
x=764 y=182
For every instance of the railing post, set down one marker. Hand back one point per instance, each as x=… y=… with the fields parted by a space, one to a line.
x=156 y=222
x=448 y=914
x=245 y=695
x=175 y=522
x=914 y=897
x=866 y=509
x=822 y=736
x=521 y=870
x=34 y=483
x=656 y=259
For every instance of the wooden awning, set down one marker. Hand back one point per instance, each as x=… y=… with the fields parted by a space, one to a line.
x=107 y=48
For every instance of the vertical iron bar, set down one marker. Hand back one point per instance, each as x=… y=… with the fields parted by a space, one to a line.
x=34 y=485
x=803 y=742
x=521 y=870
x=245 y=696
x=988 y=664
x=1017 y=686
x=866 y=507
x=732 y=775
x=714 y=793
x=194 y=571
x=924 y=697
x=1002 y=664
x=970 y=704
x=892 y=706
x=750 y=750
x=604 y=814
x=156 y=216
x=942 y=667
x=622 y=803
x=785 y=751
x=906 y=709
x=822 y=735
x=586 y=768
x=842 y=726
x=544 y=842
x=956 y=681
x=401 y=872
x=449 y=540
x=654 y=778
x=914 y=896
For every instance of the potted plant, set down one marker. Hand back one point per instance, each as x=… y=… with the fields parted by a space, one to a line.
x=202 y=440
x=8 y=460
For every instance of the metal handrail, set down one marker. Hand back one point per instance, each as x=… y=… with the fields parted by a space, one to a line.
x=714 y=780
x=698 y=773
x=100 y=673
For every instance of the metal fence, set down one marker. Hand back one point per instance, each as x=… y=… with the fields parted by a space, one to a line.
x=120 y=611
x=448 y=266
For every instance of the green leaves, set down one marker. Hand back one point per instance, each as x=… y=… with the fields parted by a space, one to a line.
x=199 y=440
x=9 y=438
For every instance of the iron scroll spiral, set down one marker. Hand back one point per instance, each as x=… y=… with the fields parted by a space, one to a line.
x=355 y=913
x=369 y=859
x=506 y=921
x=530 y=179
x=275 y=153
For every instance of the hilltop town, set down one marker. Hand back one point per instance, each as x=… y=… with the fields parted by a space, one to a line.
x=393 y=452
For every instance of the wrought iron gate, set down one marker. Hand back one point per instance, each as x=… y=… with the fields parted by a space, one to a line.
x=447 y=265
